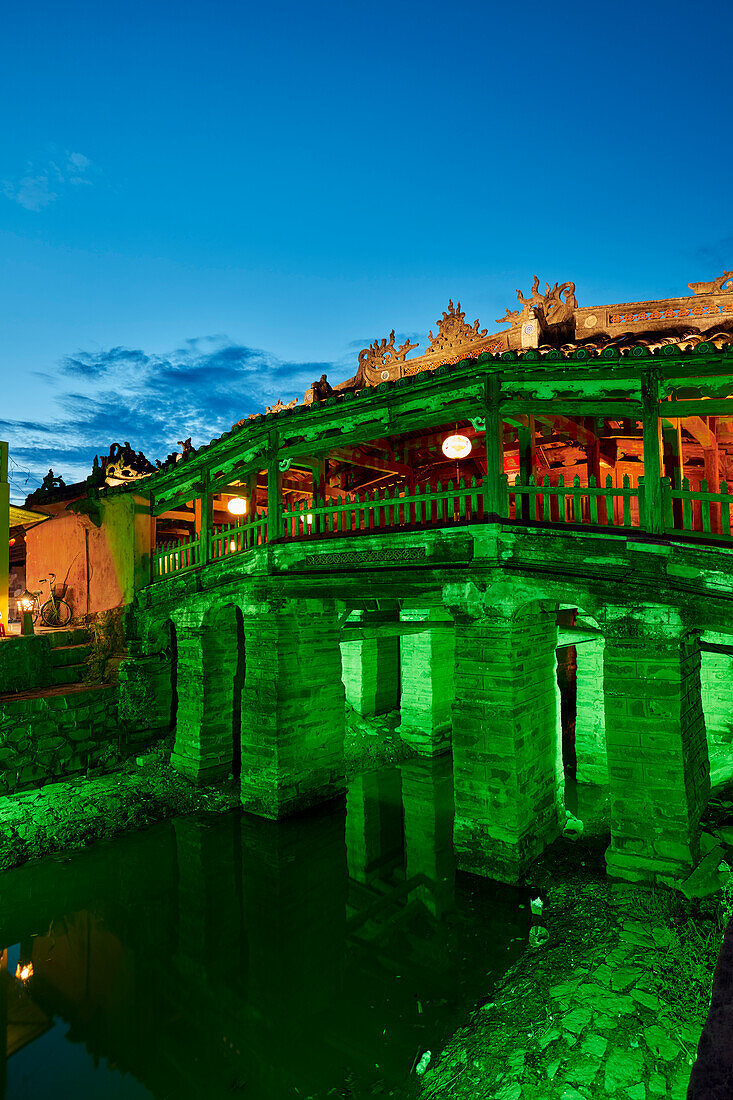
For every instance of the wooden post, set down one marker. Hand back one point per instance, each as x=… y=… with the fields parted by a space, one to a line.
x=652 y=469
x=526 y=463
x=494 y=487
x=711 y=459
x=672 y=463
x=204 y=521
x=274 y=492
x=319 y=492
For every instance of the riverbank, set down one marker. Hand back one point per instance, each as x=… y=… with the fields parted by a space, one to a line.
x=613 y=1004
x=73 y=813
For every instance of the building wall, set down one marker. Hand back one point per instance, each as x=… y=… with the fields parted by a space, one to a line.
x=106 y=564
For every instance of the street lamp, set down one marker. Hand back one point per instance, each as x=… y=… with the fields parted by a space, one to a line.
x=26 y=600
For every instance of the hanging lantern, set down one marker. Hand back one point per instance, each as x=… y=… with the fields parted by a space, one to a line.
x=237 y=506
x=24 y=971
x=456 y=446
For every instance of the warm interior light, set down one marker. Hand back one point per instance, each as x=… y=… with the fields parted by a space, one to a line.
x=309 y=518
x=232 y=544
x=237 y=506
x=456 y=446
x=24 y=971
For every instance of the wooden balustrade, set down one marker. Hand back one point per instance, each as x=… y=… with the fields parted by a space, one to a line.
x=703 y=514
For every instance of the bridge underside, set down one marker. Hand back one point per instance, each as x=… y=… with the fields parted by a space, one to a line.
x=464 y=631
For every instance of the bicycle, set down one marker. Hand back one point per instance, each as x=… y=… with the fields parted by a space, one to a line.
x=55 y=611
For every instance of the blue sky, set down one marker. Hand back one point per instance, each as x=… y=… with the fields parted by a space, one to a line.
x=204 y=206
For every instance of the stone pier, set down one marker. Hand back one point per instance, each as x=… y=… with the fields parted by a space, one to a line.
x=509 y=790
x=207 y=713
x=292 y=708
x=657 y=751
x=371 y=668
x=426 y=703
x=716 y=676
x=590 y=717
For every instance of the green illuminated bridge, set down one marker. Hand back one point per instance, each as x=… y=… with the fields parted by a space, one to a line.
x=339 y=550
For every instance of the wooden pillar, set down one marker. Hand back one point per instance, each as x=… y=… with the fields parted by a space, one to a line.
x=652 y=471
x=526 y=463
x=495 y=481
x=274 y=492
x=673 y=463
x=319 y=491
x=204 y=521
x=712 y=474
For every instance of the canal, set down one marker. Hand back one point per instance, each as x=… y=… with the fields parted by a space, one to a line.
x=316 y=957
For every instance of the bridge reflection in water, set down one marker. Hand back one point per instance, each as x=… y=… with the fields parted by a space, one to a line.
x=324 y=952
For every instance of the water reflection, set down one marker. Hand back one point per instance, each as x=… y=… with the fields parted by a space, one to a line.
x=318 y=956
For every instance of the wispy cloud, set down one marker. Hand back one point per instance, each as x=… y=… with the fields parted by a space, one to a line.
x=41 y=185
x=152 y=400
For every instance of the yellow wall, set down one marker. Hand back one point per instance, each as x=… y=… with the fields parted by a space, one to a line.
x=104 y=565
x=4 y=532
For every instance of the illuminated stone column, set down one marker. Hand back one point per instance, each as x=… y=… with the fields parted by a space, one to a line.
x=507 y=760
x=371 y=668
x=427 y=798
x=207 y=665
x=716 y=677
x=374 y=824
x=657 y=752
x=292 y=708
x=426 y=701
x=590 y=717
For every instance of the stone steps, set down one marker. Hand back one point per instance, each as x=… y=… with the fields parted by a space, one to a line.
x=69 y=652
x=76 y=635
x=68 y=674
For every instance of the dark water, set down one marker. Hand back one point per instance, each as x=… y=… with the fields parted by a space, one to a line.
x=318 y=957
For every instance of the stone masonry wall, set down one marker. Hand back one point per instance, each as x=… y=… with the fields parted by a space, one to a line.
x=24 y=661
x=55 y=735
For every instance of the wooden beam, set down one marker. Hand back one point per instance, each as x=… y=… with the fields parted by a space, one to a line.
x=357 y=632
x=355 y=457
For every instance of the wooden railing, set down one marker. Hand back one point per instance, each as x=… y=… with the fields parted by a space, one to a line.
x=697 y=513
x=399 y=507
x=235 y=537
x=599 y=505
x=173 y=557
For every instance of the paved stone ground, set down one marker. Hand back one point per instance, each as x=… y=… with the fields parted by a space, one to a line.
x=612 y=1006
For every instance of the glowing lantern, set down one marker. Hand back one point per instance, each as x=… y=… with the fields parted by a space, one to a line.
x=237 y=506
x=232 y=544
x=24 y=971
x=456 y=446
